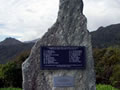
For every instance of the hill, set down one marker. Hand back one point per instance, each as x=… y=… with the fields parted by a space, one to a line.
x=106 y=36
x=10 y=48
x=10 y=41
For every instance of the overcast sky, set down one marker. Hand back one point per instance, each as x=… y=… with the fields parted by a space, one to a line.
x=30 y=19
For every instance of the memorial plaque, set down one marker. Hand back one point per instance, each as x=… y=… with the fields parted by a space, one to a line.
x=63 y=81
x=62 y=57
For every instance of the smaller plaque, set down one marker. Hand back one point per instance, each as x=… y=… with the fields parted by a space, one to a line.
x=63 y=81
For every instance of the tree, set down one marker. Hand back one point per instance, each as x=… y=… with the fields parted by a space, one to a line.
x=11 y=73
x=107 y=65
x=1 y=77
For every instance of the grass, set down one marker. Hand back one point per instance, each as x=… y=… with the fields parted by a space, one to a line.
x=98 y=87
x=10 y=89
x=105 y=87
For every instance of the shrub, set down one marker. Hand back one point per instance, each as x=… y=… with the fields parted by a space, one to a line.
x=11 y=73
x=107 y=66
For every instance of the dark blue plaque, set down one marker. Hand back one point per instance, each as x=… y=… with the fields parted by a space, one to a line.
x=62 y=57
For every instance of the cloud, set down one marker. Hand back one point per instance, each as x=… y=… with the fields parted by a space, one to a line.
x=101 y=12
x=30 y=19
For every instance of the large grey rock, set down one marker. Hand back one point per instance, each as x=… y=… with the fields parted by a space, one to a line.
x=70 y=29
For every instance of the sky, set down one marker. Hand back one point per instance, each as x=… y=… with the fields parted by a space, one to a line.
x=29 y=19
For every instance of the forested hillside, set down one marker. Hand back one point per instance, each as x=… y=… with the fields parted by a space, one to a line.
x=106 y=36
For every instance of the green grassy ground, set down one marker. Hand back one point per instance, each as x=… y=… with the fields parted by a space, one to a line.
x=10 y=89
x=105 y=87
x=98 y=87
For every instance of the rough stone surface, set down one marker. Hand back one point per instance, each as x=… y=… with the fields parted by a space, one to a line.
x=70 y=29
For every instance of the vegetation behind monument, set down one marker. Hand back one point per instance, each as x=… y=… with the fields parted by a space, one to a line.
x=11 y=73
x=107 y=66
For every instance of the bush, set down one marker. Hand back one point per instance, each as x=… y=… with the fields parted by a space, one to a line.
x=115 y=77
x=1 y=77
x=11 y=73
x=107 y=66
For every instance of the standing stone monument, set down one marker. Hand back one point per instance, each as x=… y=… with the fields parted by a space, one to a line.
x=70 y=29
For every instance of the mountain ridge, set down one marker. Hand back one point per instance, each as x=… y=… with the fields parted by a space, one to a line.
x=11 y=47
x=10 y=41
x=106 y=36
